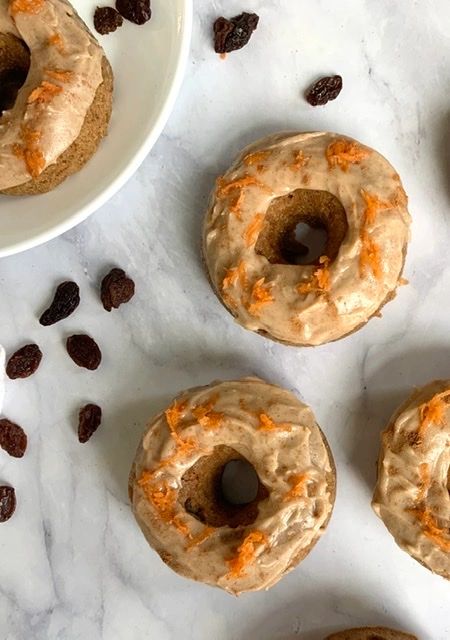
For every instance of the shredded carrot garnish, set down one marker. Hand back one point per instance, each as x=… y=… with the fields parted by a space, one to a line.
x=297 y=482
x=320 y=281
x=174 y=415
x=30 y=151
x=425 y=479
x=431 y=529
x=59 y=74
x=163 y=499
x=267 y=424
x=343 y=153
x=206 y=417
x=237 y=187
x=234 y=275
x=198 y=540
x=246 y=553
x=44 y=93
x=433 y=412
x=256 y=158
x=183 y=449
x=184 y=446
x=235 y=206
x=300 y=161
x=253 y=229
x=260 y=296
x=370 y=256
x=181 y=526
x=224 y=188
x=373 y=205
x=56 y=40
x=25 y=6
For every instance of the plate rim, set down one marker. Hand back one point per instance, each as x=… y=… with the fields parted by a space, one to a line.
x=137 y=159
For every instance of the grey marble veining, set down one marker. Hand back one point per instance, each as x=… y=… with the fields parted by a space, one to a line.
x=73 y=565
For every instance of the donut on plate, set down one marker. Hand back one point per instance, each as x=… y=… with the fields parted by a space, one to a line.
x=326 y=181
x=55 y=94
x=181 y=503
x=371 y=633
x=412 y=491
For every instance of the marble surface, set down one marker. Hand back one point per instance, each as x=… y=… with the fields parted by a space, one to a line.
x=73 y=564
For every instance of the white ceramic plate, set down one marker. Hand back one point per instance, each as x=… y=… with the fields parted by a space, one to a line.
x=148 y=63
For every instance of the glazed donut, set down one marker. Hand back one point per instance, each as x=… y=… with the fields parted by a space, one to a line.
x=371 y=633
x=55 y=95
x=412 y=491
x=176 y=484
x=327 y=181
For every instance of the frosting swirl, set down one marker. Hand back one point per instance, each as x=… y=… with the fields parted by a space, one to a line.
x=279 y=436
x=412 y=492
x=307 y=304
x=65 y=73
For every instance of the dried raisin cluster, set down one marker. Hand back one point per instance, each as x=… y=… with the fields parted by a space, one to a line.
x=108 y=19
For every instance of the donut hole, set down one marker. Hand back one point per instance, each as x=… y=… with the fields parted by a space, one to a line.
x=239 y=482
x=14 y=67
x=312 y=242
x=222 y=489
x=302 y=226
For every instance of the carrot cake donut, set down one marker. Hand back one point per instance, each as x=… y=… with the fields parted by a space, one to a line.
x=327 y=181
x=180 y=500
x=55 y=94
x=371 y=633
x=412 y=492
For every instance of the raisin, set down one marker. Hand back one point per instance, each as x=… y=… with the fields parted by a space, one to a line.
x=84 y=351
x=117 y=288
x=233 y=34
x=13 y=438
x=324 y=90
x=89 y=421
x=7 y=502
x=107 y=20
x=24 y=362
x=66 y=300
x=137 y=11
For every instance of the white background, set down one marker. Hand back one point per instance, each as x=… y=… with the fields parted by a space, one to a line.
x=73 y=564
